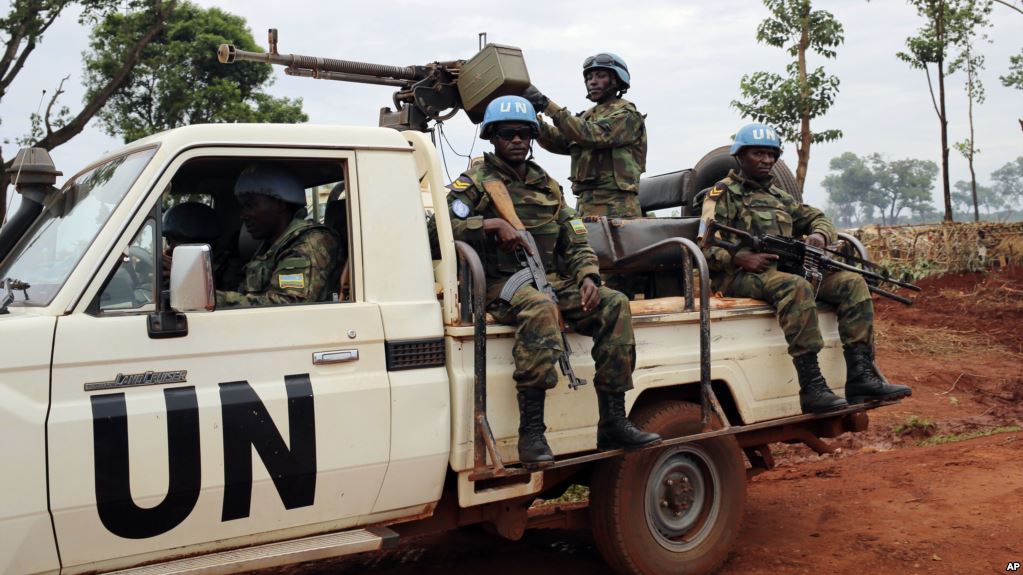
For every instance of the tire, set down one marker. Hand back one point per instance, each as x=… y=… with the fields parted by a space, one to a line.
x=714 y=166
x=638 y=531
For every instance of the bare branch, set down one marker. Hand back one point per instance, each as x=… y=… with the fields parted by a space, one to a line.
x=53 y=101
x=15 y=40
x=1007 y=5
x=931 y=88
x=13 y=72
x=117 y=81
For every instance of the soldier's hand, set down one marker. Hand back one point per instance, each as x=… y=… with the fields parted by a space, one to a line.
x=590 y=294
x=536 y=98
x=754 y=262
x=817 y=240
x=507 y=236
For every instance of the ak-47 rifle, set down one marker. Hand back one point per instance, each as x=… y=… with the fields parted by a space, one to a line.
x=802 y=259
x=532 y=273
x=434 y=91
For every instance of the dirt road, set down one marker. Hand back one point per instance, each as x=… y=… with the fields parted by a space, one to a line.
x=915 y=494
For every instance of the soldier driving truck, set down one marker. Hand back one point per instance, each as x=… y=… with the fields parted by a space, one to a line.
x=204 y=437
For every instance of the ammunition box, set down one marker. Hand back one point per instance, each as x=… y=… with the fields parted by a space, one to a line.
x=495 y=71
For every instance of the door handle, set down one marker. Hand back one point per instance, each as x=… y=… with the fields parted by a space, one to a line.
x=337 y=356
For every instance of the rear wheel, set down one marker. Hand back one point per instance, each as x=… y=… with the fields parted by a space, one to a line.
x=675 y=510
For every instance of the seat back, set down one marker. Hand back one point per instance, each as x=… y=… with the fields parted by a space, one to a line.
x=614 y=239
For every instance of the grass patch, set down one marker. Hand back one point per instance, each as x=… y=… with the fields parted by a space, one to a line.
x=914 y=425
x=957 y=437
x=574 y=494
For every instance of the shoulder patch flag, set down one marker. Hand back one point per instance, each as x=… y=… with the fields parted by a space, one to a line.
x=578 y=227
x=295 y=281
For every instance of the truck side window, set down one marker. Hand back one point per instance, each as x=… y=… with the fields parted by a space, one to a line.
x=132 y=286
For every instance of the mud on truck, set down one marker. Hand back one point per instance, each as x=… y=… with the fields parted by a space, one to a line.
x=148 y=432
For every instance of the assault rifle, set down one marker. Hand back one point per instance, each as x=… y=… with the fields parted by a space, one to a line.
x=434 y=91
x=802 y=259
x=532 y=273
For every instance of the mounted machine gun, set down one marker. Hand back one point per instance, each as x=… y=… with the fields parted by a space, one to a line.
x=434 y=91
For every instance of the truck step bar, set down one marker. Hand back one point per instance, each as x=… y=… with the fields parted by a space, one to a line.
x=492 y=472
x=274 y=554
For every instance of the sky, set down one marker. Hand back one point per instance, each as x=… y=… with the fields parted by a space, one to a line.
x=686 y=58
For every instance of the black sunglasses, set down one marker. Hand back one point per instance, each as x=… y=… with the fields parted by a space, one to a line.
x=508 y=134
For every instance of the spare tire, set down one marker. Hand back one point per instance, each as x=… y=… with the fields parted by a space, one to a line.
x=715 y=165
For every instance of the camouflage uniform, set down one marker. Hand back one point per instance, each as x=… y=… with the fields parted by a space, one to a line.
x=299 y=267
x=608 y=148
x=566 y=255
x=765 y=208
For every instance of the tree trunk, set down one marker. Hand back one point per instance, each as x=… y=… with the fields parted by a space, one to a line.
x=804 y=93
x=946 y=189
x=972 y=145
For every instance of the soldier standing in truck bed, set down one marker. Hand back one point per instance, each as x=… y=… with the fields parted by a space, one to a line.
x=510 y=124
x=607 y=143
x=748 y=200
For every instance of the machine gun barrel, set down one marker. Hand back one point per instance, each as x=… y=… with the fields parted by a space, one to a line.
x=228 y=54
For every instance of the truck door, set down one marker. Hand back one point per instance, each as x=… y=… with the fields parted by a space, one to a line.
x=259 y=423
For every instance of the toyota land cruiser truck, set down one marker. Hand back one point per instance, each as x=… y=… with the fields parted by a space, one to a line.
x=147 y=432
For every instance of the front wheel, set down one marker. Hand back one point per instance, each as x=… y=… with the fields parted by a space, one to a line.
x=674 y=510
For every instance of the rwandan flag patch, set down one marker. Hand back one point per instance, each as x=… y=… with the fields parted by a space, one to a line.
x=294 y=281
x=578 y=227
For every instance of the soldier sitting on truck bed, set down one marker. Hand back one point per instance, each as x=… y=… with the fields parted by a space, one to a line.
x=510 y=124
x=747 y=199
x=297 y=259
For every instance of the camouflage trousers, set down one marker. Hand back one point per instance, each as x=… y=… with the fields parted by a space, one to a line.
x=792 y=297
x=614 y=204
x=538 y=335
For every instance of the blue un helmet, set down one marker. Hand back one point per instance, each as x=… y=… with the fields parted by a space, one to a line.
x=271 y=180
x=609 y=61
x=756 y=135
x=508 y=109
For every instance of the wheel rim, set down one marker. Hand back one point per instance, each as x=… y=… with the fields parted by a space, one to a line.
x=682 y=499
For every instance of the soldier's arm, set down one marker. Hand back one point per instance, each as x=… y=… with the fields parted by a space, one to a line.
x=303 y=271
x=719 y=259
x=466 y=223
x=552 y=140
x=808 y=220
x=574 y=247
x=621 y=127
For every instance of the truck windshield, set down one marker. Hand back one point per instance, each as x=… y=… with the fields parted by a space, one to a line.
x=43 y=259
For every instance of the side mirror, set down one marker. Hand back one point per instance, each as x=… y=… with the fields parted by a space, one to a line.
x=191 y=279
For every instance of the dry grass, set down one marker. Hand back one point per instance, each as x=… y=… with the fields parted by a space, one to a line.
x=936 y=248
x=936 y=341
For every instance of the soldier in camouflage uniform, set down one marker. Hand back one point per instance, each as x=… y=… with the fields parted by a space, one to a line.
x=510 y=124
x=747 y=199
x=297 y=259
x=608 y=146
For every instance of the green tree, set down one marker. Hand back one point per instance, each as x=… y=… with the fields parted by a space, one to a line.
x=983 y=195
x=848 y=188
x=23 y=28
x=972 y=63
x=900 y=185
x=788 y=103
x=1014 y=79
x=1008 y=182
x=179 y=80
x=948 y=25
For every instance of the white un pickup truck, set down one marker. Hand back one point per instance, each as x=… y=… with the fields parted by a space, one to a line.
x=146 y=431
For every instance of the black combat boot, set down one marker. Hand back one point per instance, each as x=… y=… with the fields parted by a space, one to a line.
x=614 y=430
x=814 y=394
x=863 y=382
x=533 y=448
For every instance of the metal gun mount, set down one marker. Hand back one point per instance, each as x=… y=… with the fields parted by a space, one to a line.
x=428 y=92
